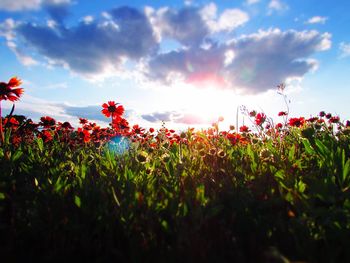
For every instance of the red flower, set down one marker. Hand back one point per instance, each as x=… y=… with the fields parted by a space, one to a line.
x=234 y=138
x=312 y=119
x=282 y=113
x=66 y=125
x=8 y=91
x=84 y=134
x=243 y=129
x=83 y=121
x=46 y=136
x=279 y=126
x=47 y=121
x=151 y=130
x=12 y=122
x=296 y=122
x=136 y=129
x=334 y=119
x=112 y=109
x=252 y=113
x=260 y=118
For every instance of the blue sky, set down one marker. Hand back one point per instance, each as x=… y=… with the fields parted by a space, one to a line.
x=183 y=62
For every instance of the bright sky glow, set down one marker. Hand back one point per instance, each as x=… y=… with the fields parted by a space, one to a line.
x=182 y=62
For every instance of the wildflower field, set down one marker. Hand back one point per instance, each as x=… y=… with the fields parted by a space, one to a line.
x=272 y=191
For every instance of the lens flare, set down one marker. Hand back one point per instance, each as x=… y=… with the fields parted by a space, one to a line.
x=119 y=145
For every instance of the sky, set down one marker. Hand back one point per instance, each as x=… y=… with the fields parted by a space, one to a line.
x=182 y=62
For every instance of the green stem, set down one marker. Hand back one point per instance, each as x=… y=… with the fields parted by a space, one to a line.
x=1 y=131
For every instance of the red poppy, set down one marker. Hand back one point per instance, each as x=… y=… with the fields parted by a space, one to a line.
x=112 y=109
x=151 y=130
x=8 y=91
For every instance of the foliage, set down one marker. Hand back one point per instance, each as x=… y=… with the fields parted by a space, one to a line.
x=128 y=194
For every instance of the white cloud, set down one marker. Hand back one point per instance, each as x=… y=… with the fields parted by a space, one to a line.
x=90 y=48
x=317 y=20
x=276 y=6
x=250 y=64
x=344 y=49
x=88 y=19
x=21 y=56
x=228 y=20
x=251 y=2
x=184 y=25
x=20 y=5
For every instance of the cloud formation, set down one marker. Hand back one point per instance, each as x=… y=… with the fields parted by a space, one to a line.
x=175 y=117
x=276 y=6
x=344 y=49
x=20 y=5
x=251 y=2
x=94 y=47
x=227 y=21
x=317 y=20
x=251 y=64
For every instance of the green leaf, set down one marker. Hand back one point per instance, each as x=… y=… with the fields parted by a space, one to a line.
x=40 y=143
x=280 y=174
x=2 y=196
x=83 y=170
x=308 y=146
x=18 y=153
x=36 y=182
x=346 y=171
x=115 y=196
x=291 y=153
x=77 y=201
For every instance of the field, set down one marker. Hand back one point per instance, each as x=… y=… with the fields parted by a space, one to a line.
x=271 y=192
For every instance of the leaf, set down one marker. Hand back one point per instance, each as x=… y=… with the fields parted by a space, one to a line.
x=18 y=153
x=36 y=182
x=308 y=146
x=280 y=174
x=115 y=196
x=83 y=170
x=165 y=225
x=346 y=171
x=77 y=201
x=291 y=153
x=2 y=196
x=40 y=143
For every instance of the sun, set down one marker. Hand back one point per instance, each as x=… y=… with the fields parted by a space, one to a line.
x=210 y=103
